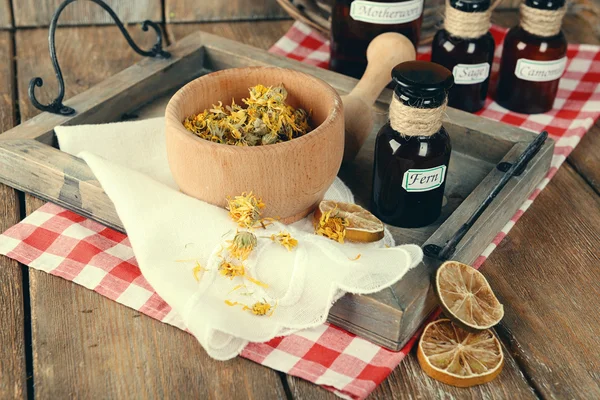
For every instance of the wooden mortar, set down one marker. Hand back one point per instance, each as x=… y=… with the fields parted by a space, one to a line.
x=383 y=54
x=290 y=177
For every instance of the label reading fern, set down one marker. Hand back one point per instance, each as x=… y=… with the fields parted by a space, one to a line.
x=386 y=13
x=469 y=74
x=422 y=180
x=540 y=71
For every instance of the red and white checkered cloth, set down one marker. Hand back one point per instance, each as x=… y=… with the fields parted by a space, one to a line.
x=65 y=244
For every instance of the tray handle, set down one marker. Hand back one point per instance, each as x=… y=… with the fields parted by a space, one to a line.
x=444 y=253
x=57 y=106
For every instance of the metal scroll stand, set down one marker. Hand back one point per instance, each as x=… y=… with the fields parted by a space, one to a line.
x=56 y=106
x=510 y=170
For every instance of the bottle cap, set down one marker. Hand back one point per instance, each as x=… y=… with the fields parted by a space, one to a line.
x=471 y=6
x=545 y=4
x=422 y=84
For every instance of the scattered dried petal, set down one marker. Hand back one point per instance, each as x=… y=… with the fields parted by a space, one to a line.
x=285 y=239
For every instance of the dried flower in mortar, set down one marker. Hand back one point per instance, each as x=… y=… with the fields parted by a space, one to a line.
x=266 y=120
x=245 y=209
x=259 y=308
x=242 y=245
x=285 y=239
x=332 y=226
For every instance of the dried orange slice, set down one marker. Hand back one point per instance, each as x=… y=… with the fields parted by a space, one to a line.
x=466 y=297
x=360 y=224
x=457 y=357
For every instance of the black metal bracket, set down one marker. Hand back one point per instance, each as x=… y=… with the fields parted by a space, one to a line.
x=444 y=253
x=57 y=106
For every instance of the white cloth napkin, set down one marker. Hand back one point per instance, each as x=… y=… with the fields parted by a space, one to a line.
x=172 y=233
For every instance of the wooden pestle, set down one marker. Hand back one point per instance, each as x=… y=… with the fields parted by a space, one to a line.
x=383 y=54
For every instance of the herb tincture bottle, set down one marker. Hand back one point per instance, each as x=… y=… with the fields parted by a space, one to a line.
x=466 y=47
x=354 y=23
x=533 y=58
x=412 y=150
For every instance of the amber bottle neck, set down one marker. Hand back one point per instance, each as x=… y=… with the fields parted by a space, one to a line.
x=468 y=25
x=414 y=121
x=543 y=23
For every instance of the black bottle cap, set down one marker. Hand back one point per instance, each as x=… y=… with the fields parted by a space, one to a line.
x=471 y=5
x=545 y=4
x=422 y=84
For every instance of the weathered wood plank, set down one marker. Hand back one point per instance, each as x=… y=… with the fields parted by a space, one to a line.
x=12 y=313
x=5 y=14
x=87 y=346
x=218 y=10
x=260 y=34
x=32 y=13
x=586 y=158
x=545 y=273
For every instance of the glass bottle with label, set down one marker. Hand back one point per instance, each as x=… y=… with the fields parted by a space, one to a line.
x=533 y=58
x=412 y=150
x=354 y=23
x=466 y=47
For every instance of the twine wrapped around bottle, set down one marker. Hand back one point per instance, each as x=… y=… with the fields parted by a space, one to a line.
x=468 y=25
x=544 y=23
x=412 y=121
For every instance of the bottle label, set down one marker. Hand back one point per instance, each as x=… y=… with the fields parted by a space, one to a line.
x=422 y=180
x=540 y=71
x=386 y=13
x=470 y=74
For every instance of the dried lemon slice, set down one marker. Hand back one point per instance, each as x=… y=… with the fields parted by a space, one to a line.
x=466 y=296
x=360 y=224
x=457 y=357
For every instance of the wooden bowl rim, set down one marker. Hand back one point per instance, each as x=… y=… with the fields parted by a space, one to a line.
x=335 y=113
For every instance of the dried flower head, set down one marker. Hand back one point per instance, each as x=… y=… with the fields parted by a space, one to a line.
x=285 y=239
x=266 y=120
x=259 y=308
x=332 y=226
x=231 y=270
x=242 y=245
x=245 y=209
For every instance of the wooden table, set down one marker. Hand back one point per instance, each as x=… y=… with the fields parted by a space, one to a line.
x=61 y=340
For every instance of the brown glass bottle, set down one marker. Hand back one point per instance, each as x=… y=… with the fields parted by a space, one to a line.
x=409 y=171
x=354 y=23
x=531 y=67
x=469 y=59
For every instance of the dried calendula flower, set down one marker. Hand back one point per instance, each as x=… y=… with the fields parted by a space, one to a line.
x=332 y=226
x=245 y=209
x=259 y=308
x=285 y=239
x=231 y=270
x=267 y=119
x=242 y=245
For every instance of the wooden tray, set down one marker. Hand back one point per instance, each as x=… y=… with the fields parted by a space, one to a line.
x=29 y=162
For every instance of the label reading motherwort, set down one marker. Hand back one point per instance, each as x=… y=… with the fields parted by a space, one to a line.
x=470 y=74
x=540 y=71
x=422 y=180
x=386 y=13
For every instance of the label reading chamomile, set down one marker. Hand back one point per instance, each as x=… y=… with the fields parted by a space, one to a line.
x=470 y=74
x=386 y=13
x=422 y=180
x=540 y=71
